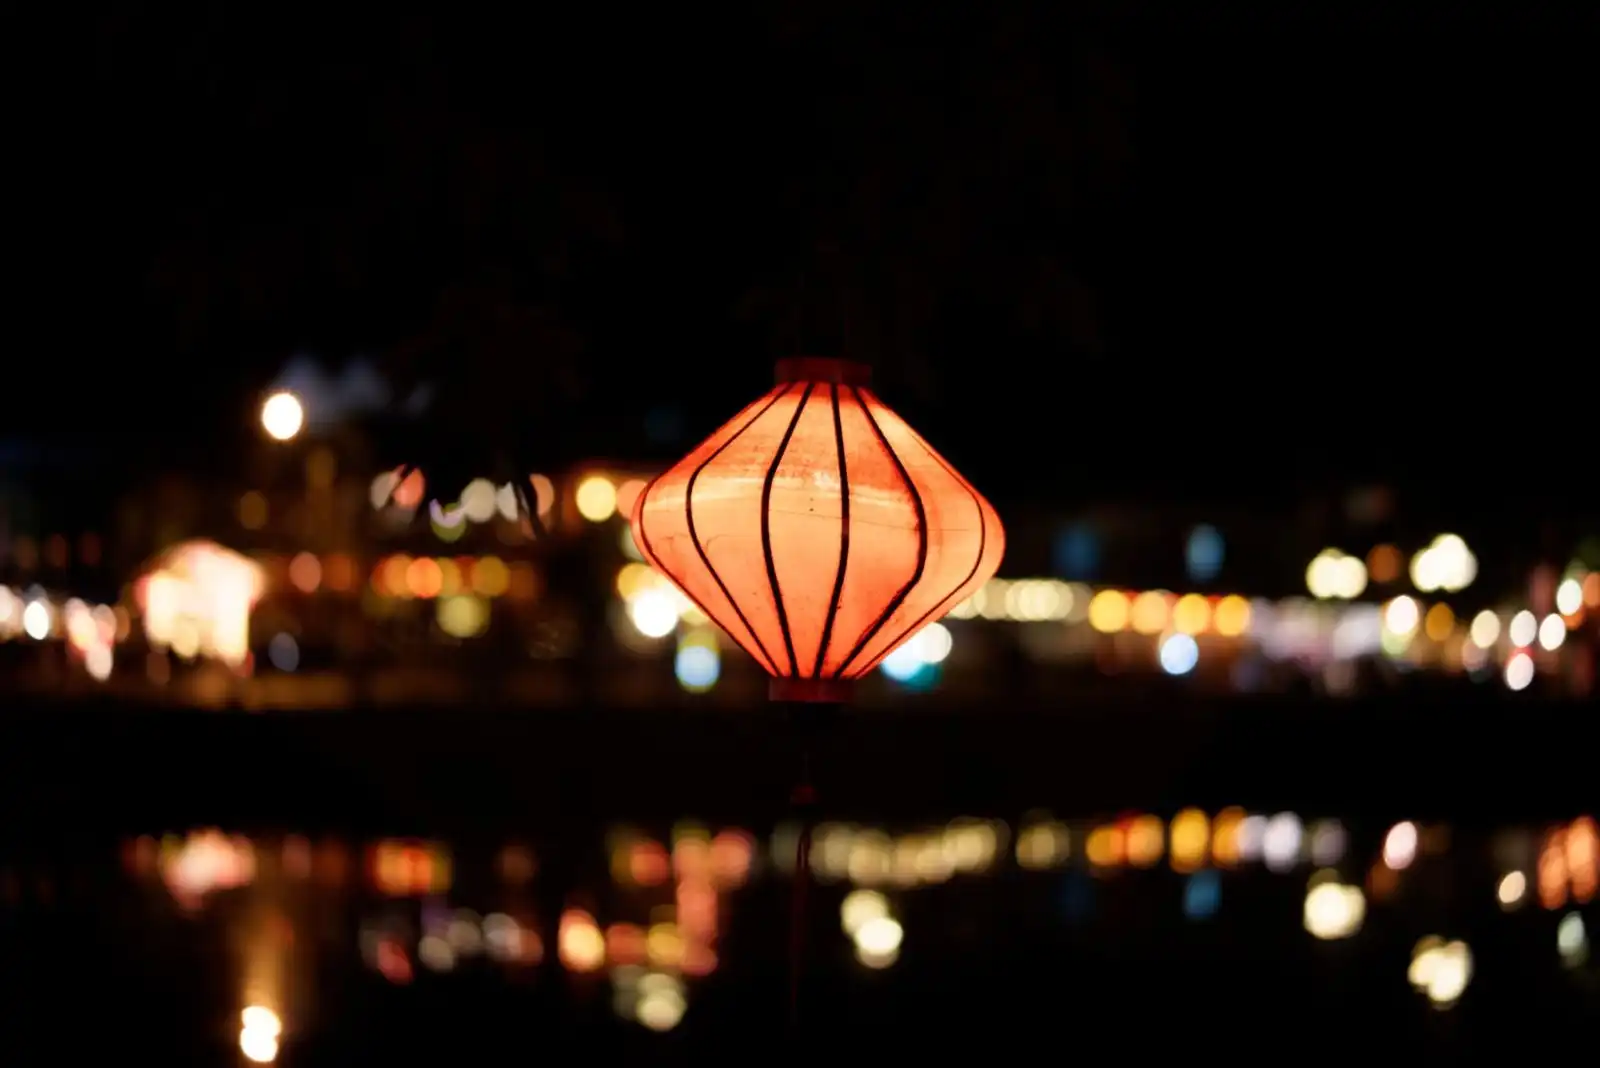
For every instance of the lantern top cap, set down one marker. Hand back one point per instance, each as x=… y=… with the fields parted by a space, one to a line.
x=822 y=369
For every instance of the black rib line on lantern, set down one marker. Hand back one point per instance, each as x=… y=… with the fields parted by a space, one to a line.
x=644 y=535
x=766 y=527
x=922 y=541
x=694 y=536
x=983 y=541
x=844 y=535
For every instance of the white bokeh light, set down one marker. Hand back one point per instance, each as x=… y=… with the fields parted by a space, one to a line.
x=1179 y=654
x=36 y=620
x=1400 y=845
x=1552 y=632
x=282 y=415
x=1519 y=671
x=1485 y=629
x=1569 y=596
x=654 y=612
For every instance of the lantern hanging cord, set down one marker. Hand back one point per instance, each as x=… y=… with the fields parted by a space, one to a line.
x=819 y=318
x=807 y=717
x=803 y=800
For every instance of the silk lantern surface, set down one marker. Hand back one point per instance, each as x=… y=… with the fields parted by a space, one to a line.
x=818 y=529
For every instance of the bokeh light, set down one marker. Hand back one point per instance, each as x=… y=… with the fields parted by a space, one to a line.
x=282 y=416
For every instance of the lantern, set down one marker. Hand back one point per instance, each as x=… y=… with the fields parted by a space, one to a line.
x=818 y=530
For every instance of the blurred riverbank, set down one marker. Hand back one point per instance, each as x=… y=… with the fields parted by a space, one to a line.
x=117 y=766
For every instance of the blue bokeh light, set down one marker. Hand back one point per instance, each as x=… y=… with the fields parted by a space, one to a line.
x=1076 y=553
x=698 y=667
x=1179 y=654
x=1202 y=894
x=903 y=664
x=907 y=667
x=1204 y=553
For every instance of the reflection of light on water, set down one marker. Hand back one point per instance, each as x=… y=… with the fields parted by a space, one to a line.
x=878 y=942
x=1572 y=940
x=579 y=942
x=1333 y=910
x=861 y=907
x=648 y=962
x=268 y=939
x=401 y=869
x=664 y=945
x=655 y=999
x=661 y=1001
x=1441 y=970
x=653 y=960
x=870 y=857
x=507 y=940
x=1513 y=886
x=697 y=909
x=259 y=1030
x=207 y=861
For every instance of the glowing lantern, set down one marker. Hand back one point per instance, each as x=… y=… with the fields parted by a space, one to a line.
x=818 y=529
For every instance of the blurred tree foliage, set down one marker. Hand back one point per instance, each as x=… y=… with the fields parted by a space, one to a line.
x=510 y=216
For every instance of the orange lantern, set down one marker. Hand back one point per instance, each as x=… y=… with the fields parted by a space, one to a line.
x=818 y=530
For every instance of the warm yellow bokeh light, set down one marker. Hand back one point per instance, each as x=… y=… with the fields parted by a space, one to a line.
x=1334 y=575
x=1401 y=616
x=1106 y=846
x=1191 y=839
x=1108 y=612
x=1439 y=622
x=1149 y=613
x=635 y=578
x=1333 y=910
x=1144 y=840
x=579 y=942
x=259 y=1031
x=1231 y=617
x=597 y=498
x=1192 y=614
x=1042 y=845
x=1225 y=837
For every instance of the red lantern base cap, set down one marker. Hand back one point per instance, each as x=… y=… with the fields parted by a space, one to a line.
x=823 y=369
x=810 y=691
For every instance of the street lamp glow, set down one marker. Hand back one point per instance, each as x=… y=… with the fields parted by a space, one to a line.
x=282 y=416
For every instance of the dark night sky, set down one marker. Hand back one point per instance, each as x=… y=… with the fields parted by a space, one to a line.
x=1310 y=240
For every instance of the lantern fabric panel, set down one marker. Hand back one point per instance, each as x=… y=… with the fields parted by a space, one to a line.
x=818 y=529
x=730 y=498
x=965 y=540
x=884 y=533
x=665 y=532
x=807 y=512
